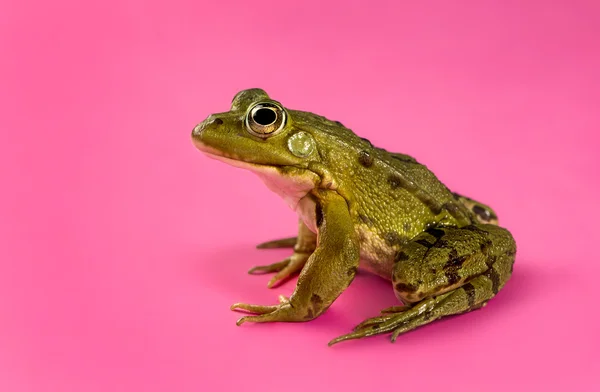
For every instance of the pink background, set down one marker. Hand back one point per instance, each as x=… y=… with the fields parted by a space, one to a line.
x=122 y=247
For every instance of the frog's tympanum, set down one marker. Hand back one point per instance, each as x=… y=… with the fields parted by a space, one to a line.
x=359 y=206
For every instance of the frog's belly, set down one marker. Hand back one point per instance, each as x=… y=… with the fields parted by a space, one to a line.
x=376 y=255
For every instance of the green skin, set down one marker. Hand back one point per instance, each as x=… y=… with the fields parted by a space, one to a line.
x=360 y=205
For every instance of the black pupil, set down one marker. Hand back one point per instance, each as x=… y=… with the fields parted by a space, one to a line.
x=264 y=116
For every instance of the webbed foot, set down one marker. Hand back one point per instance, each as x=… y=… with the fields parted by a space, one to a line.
x=397 y=320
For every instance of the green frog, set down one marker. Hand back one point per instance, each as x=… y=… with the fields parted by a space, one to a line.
x=359 y=206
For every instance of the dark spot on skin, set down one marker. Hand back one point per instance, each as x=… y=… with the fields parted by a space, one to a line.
x=367 y=141
x=365 y=159
x=375 y=326
x=365 y=219
x=395 y=181
x=339 y=123
x=485 y=214
x=433 y=205
x=452 y=255
x=452 y=277
x=452 y=208
x=316 y=301
x=495 y=278
x=319 y=215
x=485 y=247
x=456 y=196
x=406 y=288
x=392 y=238
x=470 y=290
x=218 y=121
x=424 y=242
x=407 y=226
x=437 y=233
x=452 y=267
x=427 y=315
x=441 y=244
x=401 y=256
x=490 y=261
x=352 y=271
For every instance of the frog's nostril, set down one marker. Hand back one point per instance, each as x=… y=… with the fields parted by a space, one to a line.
x=198 y=129
x=211 y=120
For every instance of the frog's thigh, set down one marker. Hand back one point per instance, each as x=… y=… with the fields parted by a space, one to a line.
x=442 y=259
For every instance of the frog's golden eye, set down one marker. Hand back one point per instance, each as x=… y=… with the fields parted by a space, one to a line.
x=265 y=119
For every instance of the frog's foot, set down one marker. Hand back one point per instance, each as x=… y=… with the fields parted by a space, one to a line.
x=265 y=269
x=285 y=269
x=401 y=319
x=386 y=315
x=281 y=243
x=267 y=313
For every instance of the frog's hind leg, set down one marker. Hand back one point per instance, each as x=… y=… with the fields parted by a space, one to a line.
x=442 y=272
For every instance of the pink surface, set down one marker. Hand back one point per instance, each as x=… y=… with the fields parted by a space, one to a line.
x=122 y=247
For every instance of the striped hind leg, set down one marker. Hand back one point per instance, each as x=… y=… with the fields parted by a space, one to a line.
x=442 y=272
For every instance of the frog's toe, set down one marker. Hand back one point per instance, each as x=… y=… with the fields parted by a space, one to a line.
x=386 y=315
x=269 y=313
x=282 y=243
x=397 y=319
x=370 y=322
x=293 y=266
x=265 y=269
x=370 y=330
x=256 y=309
x=285 y=269
x=259 y=309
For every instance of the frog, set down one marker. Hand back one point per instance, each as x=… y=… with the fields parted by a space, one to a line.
x=359 y=207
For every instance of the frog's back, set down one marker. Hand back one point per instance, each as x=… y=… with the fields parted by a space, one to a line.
x=398 y=198
x=392 y=197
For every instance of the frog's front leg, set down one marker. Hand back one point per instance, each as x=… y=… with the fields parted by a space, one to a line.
x=441 y=272
x=304 y=246
x=328 y=271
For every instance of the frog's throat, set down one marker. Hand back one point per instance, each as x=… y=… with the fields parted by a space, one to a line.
x=289 y=182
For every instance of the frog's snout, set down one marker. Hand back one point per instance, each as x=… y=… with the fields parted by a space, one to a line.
x=210 y=120
x=198 y=129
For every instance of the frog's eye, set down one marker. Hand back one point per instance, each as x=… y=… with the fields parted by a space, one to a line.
x=265 y=119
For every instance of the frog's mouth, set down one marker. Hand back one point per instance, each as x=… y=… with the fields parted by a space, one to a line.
x=289 y=182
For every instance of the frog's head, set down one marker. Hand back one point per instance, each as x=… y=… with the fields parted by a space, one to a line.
x=259 y=134
x=257 y=130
